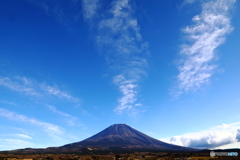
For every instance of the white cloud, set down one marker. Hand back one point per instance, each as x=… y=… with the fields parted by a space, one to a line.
x=19 y=86
x=71 y=120
x=25 y=80
x=205 y=35
x=59 y=93
x=89 y=8
x=189 y=1
x=33 y=88
x=215 y=137
x=238 y=135
x=23 y=136
x=9 y=144
x=8 y=102
x=19 y=135
x=128 y=89
x=209 y=139
x=125 y=51
x=120 y=34
x=64 y=13
x=50 y=129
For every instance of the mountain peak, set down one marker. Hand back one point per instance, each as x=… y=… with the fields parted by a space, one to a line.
x=119 y=124
x=121 y=130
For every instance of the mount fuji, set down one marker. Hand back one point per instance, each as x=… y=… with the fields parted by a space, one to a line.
x=116 y=137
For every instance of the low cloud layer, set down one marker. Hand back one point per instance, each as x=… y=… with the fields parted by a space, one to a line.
x=238 y=135
x=208 y=31
x=212 y=138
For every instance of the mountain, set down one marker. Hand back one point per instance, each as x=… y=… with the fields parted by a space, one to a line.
x=123 y=136
x=116 y=137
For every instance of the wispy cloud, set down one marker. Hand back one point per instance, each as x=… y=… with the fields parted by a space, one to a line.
x=64 y=12
x=19 y=86
x=71 y=120
x=50 y=129
x=90 y=8
x=214 y=137
x=129 y=95
x=189 y=1
x=9 y=143
x=23 y=136
x=125 y=51
x=24 y=80
x=32 y=88
x=59 y=93
x=128 y=101
x=19 y=135
x=8 y=102
x=206 y=34
x=15 y=138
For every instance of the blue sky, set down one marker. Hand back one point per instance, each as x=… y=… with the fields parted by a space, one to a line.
x=69 y=69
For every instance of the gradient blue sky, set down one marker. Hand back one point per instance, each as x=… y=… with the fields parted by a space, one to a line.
x=69 y=69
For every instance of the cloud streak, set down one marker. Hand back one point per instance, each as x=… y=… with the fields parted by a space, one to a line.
x=60 y=94
x=10 y=143
x=125 y=51
x=50 y=129
x=90 y=8
x=128 y=101
x=22 y=136
x=213 y=138
x=31 y=88
x=71 y=120
x=18 y=86
x=65 y=13
x=206 y=34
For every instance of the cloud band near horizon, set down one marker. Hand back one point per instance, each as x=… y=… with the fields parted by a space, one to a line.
x=212 y=138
